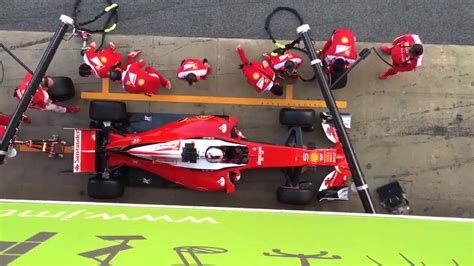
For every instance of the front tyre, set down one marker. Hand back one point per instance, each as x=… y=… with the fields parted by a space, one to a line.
x=304 y=118
x=112 y=111
x=61 y=90
x=299 y=195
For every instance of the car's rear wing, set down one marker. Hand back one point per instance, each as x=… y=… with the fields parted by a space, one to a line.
x=84 y=151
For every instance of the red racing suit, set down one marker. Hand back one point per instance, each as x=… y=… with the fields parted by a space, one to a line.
x=136 y=80
x=102 y=61
x=340 y=45
x=277 y=61
x=41 y=98
x=4 y=120
x=193 y=66
x=401 y=59
x=261 y=78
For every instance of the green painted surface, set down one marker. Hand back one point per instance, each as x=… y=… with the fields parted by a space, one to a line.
x=239 y=237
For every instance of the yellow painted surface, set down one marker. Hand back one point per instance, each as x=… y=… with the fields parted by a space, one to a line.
x=105 y=86
x=288 y=101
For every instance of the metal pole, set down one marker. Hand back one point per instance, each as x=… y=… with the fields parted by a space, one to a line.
x=362 y=55
x=16 y=58
x=12 y=128
x=357 y=175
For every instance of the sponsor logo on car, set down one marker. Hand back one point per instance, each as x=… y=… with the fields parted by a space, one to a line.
x=77 y=151
x=260 y=153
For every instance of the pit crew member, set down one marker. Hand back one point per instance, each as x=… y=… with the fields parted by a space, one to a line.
x=260 y=75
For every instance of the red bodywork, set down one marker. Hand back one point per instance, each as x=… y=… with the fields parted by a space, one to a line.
x=212 y=128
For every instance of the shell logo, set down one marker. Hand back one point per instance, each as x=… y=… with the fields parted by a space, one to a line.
x=344 y=40
x=141 y=82
x=256 y=76
x=314 y=157
x=103 y=59
x=348 y=52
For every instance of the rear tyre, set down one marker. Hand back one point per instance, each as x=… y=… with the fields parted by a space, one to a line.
x=99 y=188
x=341 y=84
x=305 y=118
x=62 y=89
x=295 y=195
x=112 y=111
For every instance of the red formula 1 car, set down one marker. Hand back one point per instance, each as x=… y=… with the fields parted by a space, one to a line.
x=203 y=152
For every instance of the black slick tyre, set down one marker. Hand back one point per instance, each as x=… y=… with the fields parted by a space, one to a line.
x=112 y=111
x=99 y=188
x=305 y=118
x=294 y=195
x=62 y=89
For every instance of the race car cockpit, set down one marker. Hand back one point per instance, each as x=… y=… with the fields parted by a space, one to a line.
x=216 y=154
x=227 y=154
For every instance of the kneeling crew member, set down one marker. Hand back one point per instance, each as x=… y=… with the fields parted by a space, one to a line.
x=99 y=63
x=338 y=54
x=286 y=63
x=192 y=70
x=260 y=75
x=136 y=80
x=41 y=98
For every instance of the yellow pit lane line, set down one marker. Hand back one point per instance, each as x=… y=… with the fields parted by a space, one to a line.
x=105 y=94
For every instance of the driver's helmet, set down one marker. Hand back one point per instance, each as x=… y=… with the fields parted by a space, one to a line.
x=214 y=155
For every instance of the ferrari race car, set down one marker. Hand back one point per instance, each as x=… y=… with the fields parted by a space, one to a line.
x=203 y=152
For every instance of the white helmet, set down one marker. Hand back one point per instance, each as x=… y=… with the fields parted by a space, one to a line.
x=214 y=155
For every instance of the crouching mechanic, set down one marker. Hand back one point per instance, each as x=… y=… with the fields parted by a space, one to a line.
x=99 y=63
x=406 y=52
x=192 y=70
x=284 y=62
x=136 y=80
x=41 y=98
x=260 y=75
x=338 y=54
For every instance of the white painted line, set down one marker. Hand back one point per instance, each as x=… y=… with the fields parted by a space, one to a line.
x=237 y=209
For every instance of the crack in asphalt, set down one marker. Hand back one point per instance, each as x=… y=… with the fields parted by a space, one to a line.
x=28 y=44
x=456 y=164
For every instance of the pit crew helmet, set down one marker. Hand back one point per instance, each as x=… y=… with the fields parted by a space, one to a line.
x=214 y=155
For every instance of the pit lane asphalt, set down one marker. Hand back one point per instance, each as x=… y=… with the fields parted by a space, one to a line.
x=34 y=176
x=415 y=128
x=437 y=22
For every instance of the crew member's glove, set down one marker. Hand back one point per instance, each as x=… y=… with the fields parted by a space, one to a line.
x=134 y=53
